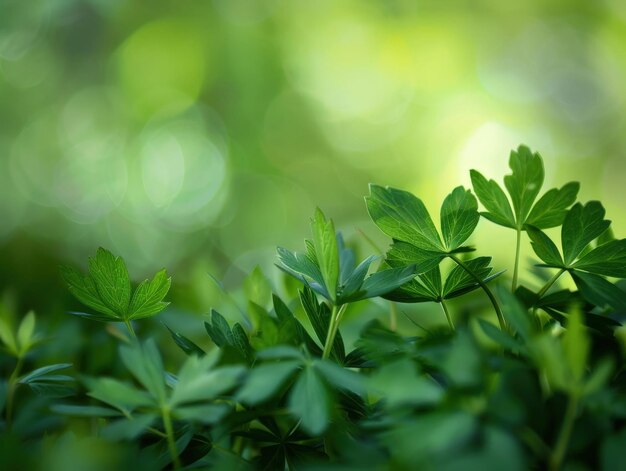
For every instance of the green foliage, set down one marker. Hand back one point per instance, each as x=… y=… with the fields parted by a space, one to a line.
x=277 y=385
x=107 y=290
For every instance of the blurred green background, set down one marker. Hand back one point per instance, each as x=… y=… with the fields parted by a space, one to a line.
x=198 y=135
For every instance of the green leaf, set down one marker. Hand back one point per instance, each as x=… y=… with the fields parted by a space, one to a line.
x=403 y=216
x=608 y=259
x=148 y=297
x=303 y=268
x=355 y=279
x=84 y=411
x=144 y=362
x=265 y=380
x=197 y=383
x=40 y=372
x=514 y=313
x=383 y=282
x=398 y=384
x=186 y=345
x=545 y=249
x=459 y=217
x=310 y=402
x=219 y=330
x=25 y=332
x=340 y=377
x=120 y=395
x=459 y=278
x=8 y=337
x=599 y=291
x=501 y=338
x=493 y=199
x=403 y=254
x=576 y=345
x=257 y=287
x=319 y=317
x=84 y=289
x=128 y=428
x=111 y=278
x=582 y=225
x=551 y=208
x=525 y=182
x=326 y=251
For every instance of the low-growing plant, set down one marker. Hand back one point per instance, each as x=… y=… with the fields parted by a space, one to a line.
x=277 y=386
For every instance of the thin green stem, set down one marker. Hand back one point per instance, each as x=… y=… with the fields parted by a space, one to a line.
x=335 y=317
x=556 y=459
x=129 y=326
x=12 y=386
x=444 y=306
x=517 y=255
x=393 y=317
x=485 y=288
x=169 y=431
x=549 y=284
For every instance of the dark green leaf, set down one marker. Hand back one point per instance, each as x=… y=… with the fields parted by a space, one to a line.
x=551 y=208
x=545 y=249
x=403 y=216
x=265 y=380
x=84 y=411
x=582 y=225
x=309 y=401
x=493 y=199
x=40 y=372
x=340 y=377
x=319 y=316
x=402 y=254
x=515 y=314
x=459 y=217
x=599 y=291
x=501 y=338
x=459 y=278
x=186 y=345
x=384 y=281
x=608 y=259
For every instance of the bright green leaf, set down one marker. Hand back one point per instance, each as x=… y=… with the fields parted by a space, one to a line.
x=148 y=297
x=110 y=275
x=525 y=182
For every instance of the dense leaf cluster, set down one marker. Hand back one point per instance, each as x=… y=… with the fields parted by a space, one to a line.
x=281 y=388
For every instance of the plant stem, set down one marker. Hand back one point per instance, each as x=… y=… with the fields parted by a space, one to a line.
x=169 y=431
x=550 y=282
x=485 y=288
x=444 y=306
x=129 y=326
x=517 y=255
x=335 y=317
x=393 y=317
x=11 y=391
x=556 y=459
